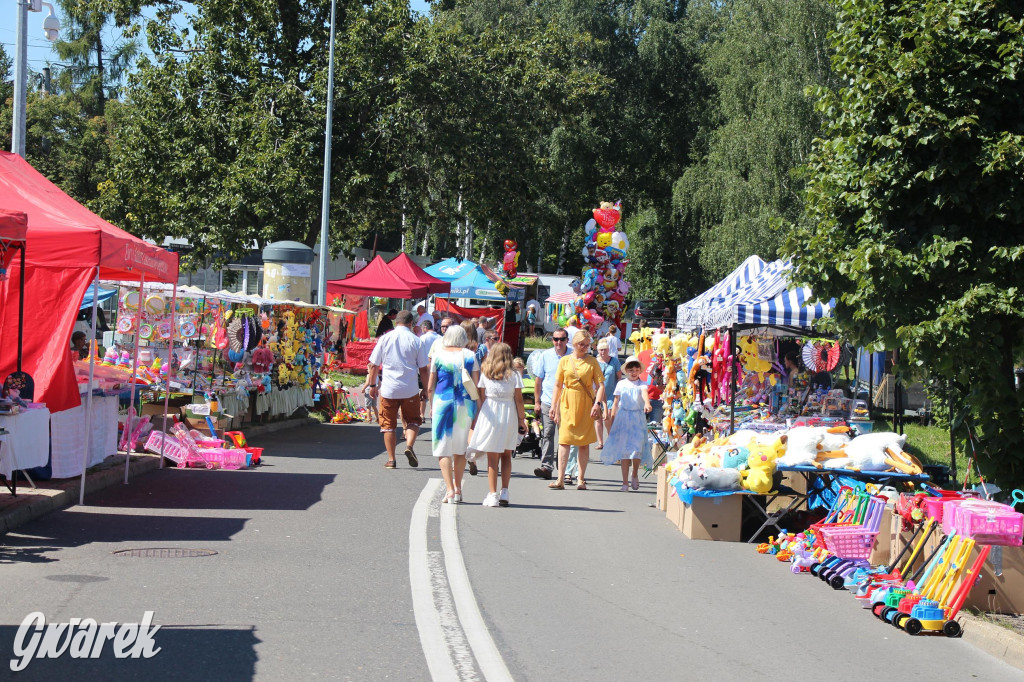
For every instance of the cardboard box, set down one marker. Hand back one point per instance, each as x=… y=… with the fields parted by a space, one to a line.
x=883 y=543
x=675 y=510
x=662 y=493
x=714 y=518
x=1002 y=593
x=790 y=479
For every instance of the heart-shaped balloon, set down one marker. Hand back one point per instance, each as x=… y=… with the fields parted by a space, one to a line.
x=606 y=217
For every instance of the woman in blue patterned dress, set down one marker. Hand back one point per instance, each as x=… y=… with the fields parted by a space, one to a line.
x=452 y=410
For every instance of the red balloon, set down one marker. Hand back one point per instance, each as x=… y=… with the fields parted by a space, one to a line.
x=606 y=217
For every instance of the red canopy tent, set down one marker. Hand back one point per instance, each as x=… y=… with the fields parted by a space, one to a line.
x=377 y=279
x=13 y=226
x=406 y=268
x=68 y=247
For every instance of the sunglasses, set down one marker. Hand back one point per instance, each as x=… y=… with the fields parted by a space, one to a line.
x=559 y=339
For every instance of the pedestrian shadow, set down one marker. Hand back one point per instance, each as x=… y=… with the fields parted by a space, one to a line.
x=339 y=442
x=226 y=653
x=556 y=507
x=201 y=489
x=79 y=526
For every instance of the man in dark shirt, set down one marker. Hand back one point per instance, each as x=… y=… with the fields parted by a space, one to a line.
x=386 y=323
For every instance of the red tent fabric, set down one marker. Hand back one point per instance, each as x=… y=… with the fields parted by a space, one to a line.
x=65 y=244
x=13 y=226
x=376 y=279
x=406 y=268
x=458 y=313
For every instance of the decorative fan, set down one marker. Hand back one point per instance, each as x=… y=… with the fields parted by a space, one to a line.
x=821 y=356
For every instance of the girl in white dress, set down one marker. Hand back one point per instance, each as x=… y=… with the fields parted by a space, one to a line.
x=500 y=420
x=627 y=435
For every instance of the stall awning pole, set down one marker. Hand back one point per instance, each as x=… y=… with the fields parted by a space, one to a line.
x=732 y=391
x=129 y=423
x=21 y=303
x=88 y=398
x=170 y=366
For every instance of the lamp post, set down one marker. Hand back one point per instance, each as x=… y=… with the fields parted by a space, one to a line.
x=325 y=211
x=51 y=27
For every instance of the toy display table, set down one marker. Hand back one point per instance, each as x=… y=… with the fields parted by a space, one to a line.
x=26 y=444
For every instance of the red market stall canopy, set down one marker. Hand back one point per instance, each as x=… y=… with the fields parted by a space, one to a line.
x=406 y=268
x=13 y=226
x=376 y=279
x=68 y=246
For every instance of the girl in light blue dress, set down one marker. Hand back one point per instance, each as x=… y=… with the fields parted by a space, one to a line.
x=627 y=435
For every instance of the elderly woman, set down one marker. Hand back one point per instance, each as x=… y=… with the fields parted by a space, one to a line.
x=611 y=369
x=579 y=388
x=452 y=408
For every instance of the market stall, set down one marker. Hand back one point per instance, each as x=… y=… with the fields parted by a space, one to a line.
x=68 y=247
x=470 y=280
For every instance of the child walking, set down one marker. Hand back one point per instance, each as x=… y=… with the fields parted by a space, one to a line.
x=500 y=419
x=627 y=433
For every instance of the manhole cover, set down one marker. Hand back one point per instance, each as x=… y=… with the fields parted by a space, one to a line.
x=164 y=553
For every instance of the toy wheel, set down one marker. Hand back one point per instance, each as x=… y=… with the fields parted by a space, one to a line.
x=951 y=628
x=887 y=613
x=877 y=609
x=209 y=465
x=837 y=582
x=814 y=569
x=900 y=620
x=912 y=626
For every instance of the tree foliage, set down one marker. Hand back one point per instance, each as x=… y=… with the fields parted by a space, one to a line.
x=915 y=195
x=759 y=57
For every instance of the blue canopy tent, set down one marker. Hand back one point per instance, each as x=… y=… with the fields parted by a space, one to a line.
x=90 y=293
x=470 y=280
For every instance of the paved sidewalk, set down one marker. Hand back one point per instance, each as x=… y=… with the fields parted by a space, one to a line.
x=48 y=496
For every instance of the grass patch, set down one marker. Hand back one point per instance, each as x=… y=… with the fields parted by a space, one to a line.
x=930 y=444
x=536 y=343
x=347 y=380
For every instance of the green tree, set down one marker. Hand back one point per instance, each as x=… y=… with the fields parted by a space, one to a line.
x=916 y=201
x=760 y=58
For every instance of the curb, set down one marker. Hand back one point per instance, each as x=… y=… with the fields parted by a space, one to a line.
x=994 y=640
x=33 y=503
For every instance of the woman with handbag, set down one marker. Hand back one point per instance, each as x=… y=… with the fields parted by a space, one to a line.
x=579 y=392
x=452 y=389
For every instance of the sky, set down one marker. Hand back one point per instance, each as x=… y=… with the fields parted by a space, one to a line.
x=40 y=50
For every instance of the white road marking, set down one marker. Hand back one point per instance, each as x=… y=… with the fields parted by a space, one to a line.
x=428 y=620
x=492 y=665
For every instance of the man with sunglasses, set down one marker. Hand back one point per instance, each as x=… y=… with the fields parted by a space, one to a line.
x=545 y=367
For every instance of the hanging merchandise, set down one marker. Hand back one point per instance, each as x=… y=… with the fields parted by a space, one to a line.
x=510 y=261
x=601 y=292
x=821 y=356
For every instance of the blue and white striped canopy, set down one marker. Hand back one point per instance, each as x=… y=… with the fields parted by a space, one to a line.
x=766 y=299
x=690 y=315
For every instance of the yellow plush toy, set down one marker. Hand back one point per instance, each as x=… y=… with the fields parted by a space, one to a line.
x=752 y=362
x=758 y=476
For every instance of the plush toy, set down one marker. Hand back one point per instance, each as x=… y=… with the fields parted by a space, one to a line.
x=801 y=446
x=736 y=457
x=709 y=478
x=758 y=478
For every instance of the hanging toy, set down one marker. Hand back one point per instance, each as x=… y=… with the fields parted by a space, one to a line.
x=511 y=259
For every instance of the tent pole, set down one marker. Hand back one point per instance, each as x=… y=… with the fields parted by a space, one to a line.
x=88 y=397
x=871 y=382
x=21 y=303
x=129 y=423
x=199 y=344
x=170 y=368
x=732 y=392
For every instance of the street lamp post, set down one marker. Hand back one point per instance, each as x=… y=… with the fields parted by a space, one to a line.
x=325 y=212
x=51 y=27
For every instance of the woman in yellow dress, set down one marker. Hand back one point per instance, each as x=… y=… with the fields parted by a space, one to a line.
x=577 y=400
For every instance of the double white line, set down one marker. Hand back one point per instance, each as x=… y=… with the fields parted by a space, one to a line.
x=443 y=641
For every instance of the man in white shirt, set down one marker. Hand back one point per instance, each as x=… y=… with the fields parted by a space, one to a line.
x=424 y=316
x=428 y=336
x=571 y=329
x=402 y=361
x=614 y=345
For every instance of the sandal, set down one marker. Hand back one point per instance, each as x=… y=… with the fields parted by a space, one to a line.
x=556 y=486
x=582 y=485
x=390 y=465
x=449 y=499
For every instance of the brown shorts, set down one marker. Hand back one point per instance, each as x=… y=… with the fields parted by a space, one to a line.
x=389 y=407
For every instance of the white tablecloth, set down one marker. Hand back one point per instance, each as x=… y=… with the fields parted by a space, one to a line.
x=68 y=436
x=28 y=442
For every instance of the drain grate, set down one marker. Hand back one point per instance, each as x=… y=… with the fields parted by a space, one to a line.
x=164 y=553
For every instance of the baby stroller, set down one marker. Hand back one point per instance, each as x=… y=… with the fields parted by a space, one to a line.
x=531 y=440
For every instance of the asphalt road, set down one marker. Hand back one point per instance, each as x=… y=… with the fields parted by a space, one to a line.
x=311 y=580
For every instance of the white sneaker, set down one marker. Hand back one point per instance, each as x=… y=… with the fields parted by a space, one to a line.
x=503 y=497
x=491 y=500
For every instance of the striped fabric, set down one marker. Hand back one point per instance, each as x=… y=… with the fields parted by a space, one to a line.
x=690 y=315
x=767 y=300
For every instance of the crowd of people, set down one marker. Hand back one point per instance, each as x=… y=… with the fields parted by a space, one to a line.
x=472 y=385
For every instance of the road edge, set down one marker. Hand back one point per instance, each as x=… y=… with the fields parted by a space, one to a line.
x=994 y=640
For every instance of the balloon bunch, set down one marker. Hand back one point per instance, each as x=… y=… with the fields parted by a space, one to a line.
x=510 y=261
x=601 y=292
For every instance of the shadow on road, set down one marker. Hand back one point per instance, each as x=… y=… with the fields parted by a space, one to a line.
x=340 y=442
x=77 y=527
x=204 y=652
x=200 y=489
